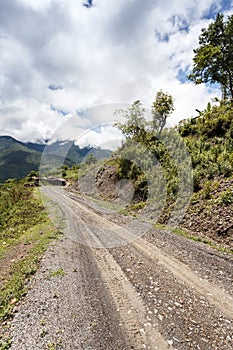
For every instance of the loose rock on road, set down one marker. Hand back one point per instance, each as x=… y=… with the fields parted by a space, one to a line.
x=156 y=291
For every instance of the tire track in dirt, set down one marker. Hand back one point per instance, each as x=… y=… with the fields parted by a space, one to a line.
x=132 y=311
x=215 y=295
x=133 y=308
x=184 y=316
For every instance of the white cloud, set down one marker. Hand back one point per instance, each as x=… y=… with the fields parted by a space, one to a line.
x=110 y=53
x=107 y=137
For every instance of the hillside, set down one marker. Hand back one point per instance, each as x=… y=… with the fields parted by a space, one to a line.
x=17 y=159
x=209 y=140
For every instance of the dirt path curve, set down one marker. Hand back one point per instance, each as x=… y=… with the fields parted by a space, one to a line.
x=123 y=296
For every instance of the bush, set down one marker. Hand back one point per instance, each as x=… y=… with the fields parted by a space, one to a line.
x=226 y=197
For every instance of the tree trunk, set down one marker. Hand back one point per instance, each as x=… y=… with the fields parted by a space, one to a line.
x=230 y=85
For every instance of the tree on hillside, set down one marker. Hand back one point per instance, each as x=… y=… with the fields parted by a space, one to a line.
x=162 y=107
x=135 y=124
x=213 y=60
x=90 y=159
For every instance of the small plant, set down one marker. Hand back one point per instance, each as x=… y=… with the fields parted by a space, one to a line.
x=137 y=206
x=57 y=273
x=43 y=322
x=52 y=346
x=206 y=193
x=5 y=344
x=226 y=197
x=43 y=332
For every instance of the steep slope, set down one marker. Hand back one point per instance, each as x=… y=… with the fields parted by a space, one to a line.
x=16 y=159
x=209 y=141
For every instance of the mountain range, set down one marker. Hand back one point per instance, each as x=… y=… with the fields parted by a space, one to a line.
x=17 y=158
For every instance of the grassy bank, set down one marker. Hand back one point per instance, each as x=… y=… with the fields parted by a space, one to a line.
x=25 y=232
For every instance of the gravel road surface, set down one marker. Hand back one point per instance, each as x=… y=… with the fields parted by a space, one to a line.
x=104 y=285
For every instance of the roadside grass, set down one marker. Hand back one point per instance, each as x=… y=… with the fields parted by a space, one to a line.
x=20 y=272
x=181 y=232
x=25 y=232
x=56 y=273
x=20 y=210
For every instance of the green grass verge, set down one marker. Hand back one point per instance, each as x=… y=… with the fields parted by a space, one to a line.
x=21 y=271
x=24 y=225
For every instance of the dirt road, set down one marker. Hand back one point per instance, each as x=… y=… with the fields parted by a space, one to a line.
x=105 y=286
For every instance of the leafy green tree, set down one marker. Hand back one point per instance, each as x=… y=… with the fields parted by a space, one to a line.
x=162 y=107
x=135 y=124
x=213 y=60
x=91 y=159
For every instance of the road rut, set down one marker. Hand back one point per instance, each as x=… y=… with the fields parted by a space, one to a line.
x=131 y=293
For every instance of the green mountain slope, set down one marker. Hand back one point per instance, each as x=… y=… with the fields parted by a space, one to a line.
x=17 y=159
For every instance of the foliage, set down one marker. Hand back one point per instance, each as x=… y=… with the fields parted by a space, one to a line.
x=161 y=108
x=145 y=148
x=18 y=209
x=135 y=124
x=5 y=343
x=90 y=159
x=208 y=139
x=226 y=197
x=15 y=287
x=23 y=222
x=56 y=273
x=213 y=60
x=210 y=143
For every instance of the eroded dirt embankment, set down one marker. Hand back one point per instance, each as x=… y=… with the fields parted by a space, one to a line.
x=209 y=215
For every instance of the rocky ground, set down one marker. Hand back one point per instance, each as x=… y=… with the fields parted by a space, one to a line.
x=210 y=213
x=113 y=283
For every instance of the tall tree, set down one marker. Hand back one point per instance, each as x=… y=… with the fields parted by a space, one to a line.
x=161 y=108
x=135 y=124
x=213 y=60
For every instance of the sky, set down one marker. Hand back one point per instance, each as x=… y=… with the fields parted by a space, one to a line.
x=60 y=59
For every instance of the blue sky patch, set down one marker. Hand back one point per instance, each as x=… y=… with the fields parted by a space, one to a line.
x=212 y=86
x=182 y=75
x=226 y=5
x=58 y=110
x=98 y=129
x=179 y=22
x=82 y=113
x=162 y=37
x=54 y=87
x=211 y=12
x=88 y=4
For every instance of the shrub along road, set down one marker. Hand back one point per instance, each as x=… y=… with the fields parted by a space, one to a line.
x=104 y=286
